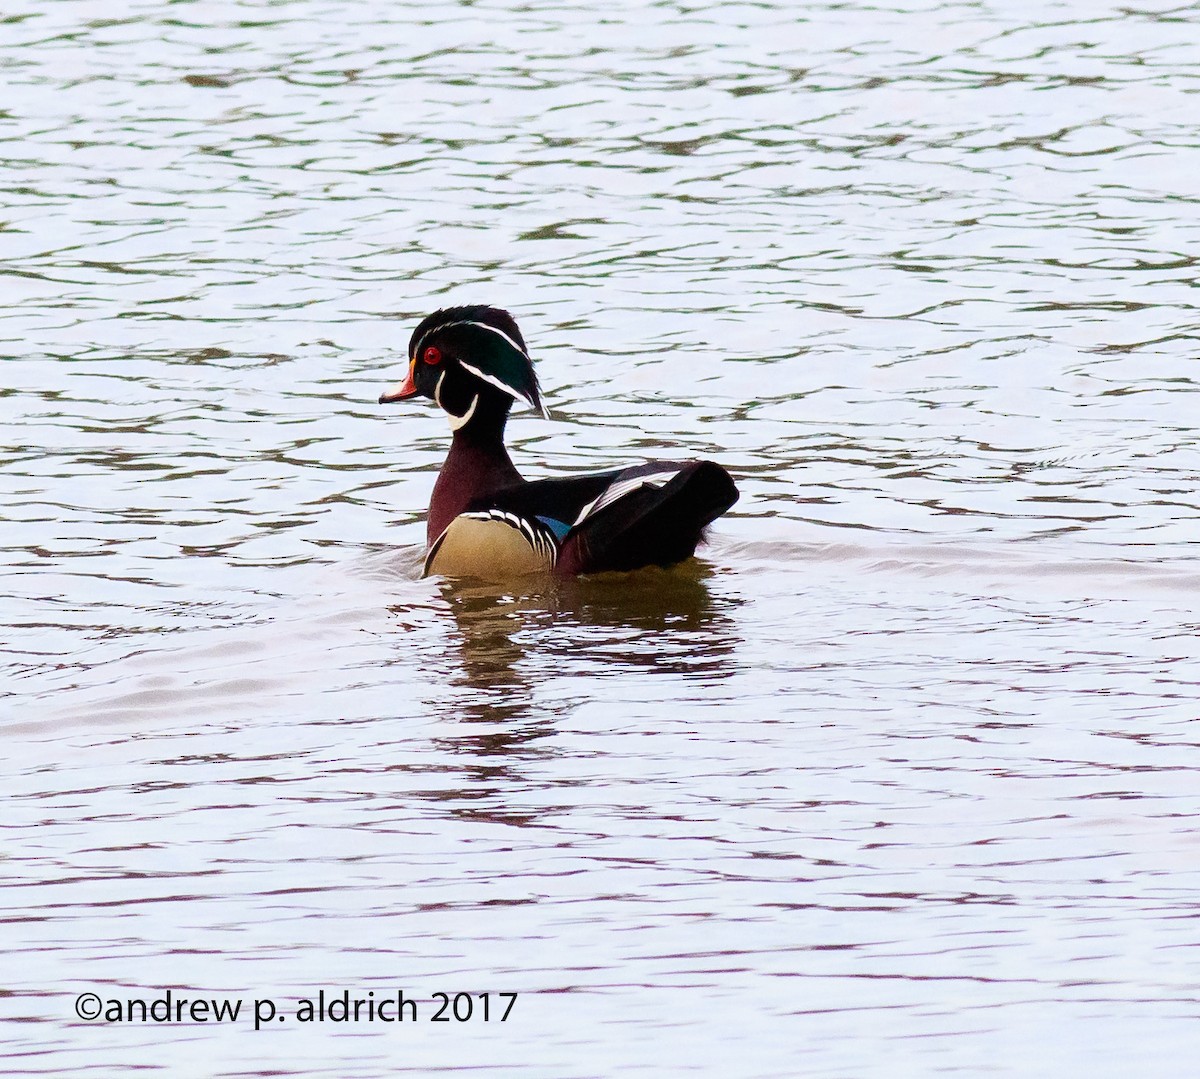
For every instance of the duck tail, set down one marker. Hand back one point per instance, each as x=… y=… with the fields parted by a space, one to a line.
x=648 y=515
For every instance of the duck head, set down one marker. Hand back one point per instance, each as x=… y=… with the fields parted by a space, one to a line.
x=471 y=361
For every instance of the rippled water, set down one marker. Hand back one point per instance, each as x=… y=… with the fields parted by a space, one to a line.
x=900 y=777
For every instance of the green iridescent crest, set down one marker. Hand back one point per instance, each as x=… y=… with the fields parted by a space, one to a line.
x=486 y=343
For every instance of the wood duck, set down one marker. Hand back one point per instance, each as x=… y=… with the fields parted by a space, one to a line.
x=486 y=521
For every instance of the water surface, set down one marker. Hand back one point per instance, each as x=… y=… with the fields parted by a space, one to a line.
x=899 y=777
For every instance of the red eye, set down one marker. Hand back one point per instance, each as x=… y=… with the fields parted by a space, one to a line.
x=432 y=355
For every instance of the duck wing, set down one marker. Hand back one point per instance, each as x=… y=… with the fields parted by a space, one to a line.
x=646 y=515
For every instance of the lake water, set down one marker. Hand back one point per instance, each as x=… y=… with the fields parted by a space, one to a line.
x=899 y=778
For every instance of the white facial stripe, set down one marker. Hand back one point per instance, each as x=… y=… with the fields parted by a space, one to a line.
x=492 y=329
x=455 y=421
x=495 y=382
x=467 y=322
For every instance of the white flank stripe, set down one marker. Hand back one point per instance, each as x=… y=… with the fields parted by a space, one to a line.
x=537 y=539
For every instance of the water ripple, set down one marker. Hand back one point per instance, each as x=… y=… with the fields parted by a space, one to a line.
x=900 y=770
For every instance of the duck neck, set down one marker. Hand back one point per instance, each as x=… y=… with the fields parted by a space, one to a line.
x=477 y=464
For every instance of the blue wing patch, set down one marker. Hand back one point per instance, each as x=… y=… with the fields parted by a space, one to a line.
x=559 y=528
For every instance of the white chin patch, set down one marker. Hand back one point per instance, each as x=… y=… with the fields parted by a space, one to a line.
x=461 y=421
x=455 y=421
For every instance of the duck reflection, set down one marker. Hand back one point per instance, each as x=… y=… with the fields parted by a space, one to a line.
x=662 y=620
x=516 y=656
x=521 y=658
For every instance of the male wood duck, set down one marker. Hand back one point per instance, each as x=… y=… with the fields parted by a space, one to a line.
x=486 y=521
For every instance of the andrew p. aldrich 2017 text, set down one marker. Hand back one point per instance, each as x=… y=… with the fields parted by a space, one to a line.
x=332 y=1007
